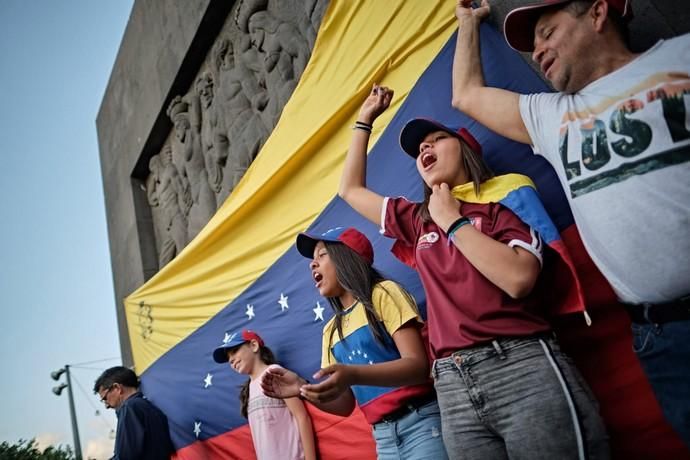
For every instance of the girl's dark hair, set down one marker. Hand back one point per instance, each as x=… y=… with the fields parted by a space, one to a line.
x=476 y=168
x=267 y=357
x=358 y=277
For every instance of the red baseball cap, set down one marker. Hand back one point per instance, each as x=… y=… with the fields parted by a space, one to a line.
x=519 y=24
x=414 y=132
x=350 y=237
x=220 y=354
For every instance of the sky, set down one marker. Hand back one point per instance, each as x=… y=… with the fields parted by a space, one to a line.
x=57 y=304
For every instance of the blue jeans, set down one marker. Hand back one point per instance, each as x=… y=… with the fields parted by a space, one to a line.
x=664 y=352
x=417 y=435
x=517 y=398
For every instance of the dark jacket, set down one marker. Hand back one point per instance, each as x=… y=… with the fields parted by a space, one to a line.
x=142 y=431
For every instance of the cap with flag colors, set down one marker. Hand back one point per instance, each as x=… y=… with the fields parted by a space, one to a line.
x=220 y=354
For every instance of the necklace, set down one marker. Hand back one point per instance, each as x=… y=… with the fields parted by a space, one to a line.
x=345 y=315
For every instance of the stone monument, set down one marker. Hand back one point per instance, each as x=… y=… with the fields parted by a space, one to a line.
x=196 y=89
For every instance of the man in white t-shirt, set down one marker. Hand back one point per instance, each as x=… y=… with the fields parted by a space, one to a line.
x=617 y=133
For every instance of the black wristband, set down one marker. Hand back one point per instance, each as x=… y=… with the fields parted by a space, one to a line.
x=363 y=126
x=457 y=224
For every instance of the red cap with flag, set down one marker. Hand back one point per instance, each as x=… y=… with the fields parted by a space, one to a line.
x=520 y=23
x=350 y=237
x=415 y=130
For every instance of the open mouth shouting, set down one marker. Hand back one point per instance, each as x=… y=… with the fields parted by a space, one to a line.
x=318 y=278
x=428 y=160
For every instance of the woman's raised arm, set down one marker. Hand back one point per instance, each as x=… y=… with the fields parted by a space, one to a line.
x=353 y=187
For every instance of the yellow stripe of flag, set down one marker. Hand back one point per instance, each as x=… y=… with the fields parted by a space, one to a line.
x=296 y=173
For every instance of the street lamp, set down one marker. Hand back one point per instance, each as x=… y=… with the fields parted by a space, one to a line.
x=55 y=375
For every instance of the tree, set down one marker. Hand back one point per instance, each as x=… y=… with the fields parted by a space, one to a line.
x=28 y=450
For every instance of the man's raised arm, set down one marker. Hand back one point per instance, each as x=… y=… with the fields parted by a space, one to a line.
x=495 y=108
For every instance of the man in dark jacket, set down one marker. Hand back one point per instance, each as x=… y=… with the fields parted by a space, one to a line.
x=142 y=429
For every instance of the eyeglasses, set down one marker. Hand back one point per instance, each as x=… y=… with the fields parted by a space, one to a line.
x=105 y=395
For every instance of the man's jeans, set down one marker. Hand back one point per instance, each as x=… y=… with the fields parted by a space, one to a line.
x=417 y=435
x=664 y=352
x=519 y=398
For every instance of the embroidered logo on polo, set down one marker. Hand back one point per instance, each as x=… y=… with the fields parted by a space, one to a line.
x=476 y=223
x=428 y=239
x=626 y=138
x=425 y=241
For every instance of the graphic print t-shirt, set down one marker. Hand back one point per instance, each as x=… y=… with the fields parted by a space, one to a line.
x=621 y=148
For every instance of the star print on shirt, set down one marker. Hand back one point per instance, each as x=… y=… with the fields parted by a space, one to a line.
x=207 y=380
x=250 y=311
x=359 y=356
x=318 y=312
x=197 y=429
x=283 y=302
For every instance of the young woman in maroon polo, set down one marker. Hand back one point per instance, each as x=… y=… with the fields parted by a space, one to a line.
x=504 y=388
x=465 y=307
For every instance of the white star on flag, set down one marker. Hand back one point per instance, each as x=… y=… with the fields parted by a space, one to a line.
x=197 y=429
x=228 y=337
x=318 y=312
x=207 y=380
x=283 y=302
x=250 y=311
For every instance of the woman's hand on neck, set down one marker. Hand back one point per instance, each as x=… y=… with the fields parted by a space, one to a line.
x=443 y=207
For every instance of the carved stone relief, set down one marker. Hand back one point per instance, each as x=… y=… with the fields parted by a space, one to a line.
x=220 y=124
x=170 y=202
x=240 y=103
x=188 y=157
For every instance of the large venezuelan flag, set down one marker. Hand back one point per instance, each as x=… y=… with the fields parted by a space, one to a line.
x=243 y=271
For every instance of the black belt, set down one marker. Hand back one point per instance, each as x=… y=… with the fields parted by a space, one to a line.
x=408 y=407
x=658 y=313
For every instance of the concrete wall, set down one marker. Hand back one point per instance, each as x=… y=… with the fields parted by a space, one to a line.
x=162 y=49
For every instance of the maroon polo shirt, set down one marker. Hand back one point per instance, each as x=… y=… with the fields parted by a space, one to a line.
x=463 y=307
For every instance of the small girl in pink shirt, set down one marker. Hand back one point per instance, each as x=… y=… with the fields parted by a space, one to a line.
x=281 y=429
